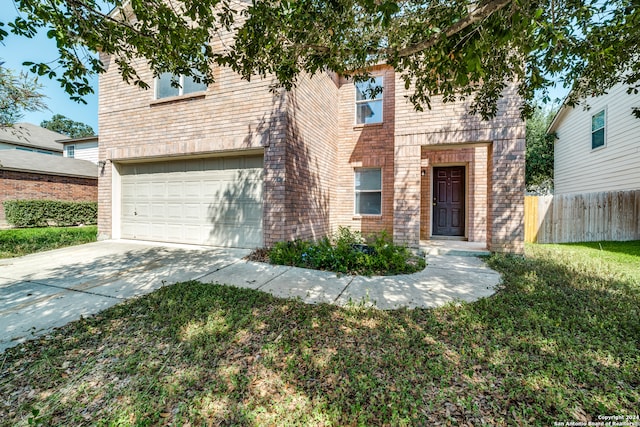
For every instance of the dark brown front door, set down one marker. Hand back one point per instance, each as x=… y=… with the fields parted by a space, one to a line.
x=448 y=201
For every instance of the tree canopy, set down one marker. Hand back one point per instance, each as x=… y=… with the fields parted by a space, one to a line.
x=66 y=126
x=18 y=93
x=539 y=154
x=459 y=49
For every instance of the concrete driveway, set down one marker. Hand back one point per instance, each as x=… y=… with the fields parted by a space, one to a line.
x=42 y=291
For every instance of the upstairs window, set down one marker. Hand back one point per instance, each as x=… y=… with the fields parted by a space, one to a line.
x=71 y=151
x=368 y=191
x=369 y=101
x=598 y=131
x=165 y=85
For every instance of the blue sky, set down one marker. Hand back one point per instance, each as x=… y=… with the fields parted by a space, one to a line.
x=17 y=50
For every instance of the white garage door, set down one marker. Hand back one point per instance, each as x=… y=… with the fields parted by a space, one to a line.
x=214 y=201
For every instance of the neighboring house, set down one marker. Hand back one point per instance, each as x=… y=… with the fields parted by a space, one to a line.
x=28 y=137
x=598 y=149
x=28 y=175
x=85 y=148
x=234 y=164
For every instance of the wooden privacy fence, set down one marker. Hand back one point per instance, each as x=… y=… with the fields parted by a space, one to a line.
x=586 y=217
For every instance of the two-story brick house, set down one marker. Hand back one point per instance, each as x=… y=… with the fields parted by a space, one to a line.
x=234 y=164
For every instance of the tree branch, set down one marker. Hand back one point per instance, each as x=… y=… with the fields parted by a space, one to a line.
x=479 y=14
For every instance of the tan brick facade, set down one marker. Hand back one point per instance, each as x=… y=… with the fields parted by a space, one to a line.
x=312 y=148
x=364 y=146
x=34 y=186
x=492 y=153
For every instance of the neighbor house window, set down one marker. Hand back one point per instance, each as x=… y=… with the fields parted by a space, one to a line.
x=166 y=85
x=71 y=151
x=368 y=191
x=369 y=101
x=598 y=122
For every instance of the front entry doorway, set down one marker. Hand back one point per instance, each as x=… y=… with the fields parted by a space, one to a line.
x=448 y=201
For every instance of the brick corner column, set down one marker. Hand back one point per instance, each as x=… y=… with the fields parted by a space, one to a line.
x=105 y=205
x=406 y=204
x=507 y=198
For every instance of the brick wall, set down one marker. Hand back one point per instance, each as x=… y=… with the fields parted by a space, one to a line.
x=311 y=156
x=312 y=147
x=23 y=185
x=365 y=146
x=496 y=167
x=232 y=116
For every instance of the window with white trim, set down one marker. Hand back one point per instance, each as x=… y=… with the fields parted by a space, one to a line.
x=598 y=129
x=368 y=191
x=369 y=101
x=71 y=151
x=168 y=85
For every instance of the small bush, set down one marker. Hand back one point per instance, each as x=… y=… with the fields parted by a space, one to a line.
x=42 y=213
x=348 y=252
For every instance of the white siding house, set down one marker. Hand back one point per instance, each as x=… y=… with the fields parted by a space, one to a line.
x=598 y=149
x=81 y=148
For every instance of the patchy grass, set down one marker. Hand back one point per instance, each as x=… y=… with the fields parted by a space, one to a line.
x=23 y=241
x=559 y=342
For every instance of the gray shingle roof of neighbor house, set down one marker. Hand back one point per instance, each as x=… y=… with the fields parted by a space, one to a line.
x=77 y=140
x=26 y=161
x=32 y=136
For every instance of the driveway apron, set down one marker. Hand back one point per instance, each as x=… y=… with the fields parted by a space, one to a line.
x=42 y=291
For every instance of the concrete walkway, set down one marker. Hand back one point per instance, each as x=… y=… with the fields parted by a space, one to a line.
x=42 y=291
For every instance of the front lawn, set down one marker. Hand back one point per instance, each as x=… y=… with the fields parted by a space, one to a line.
x=23 y=241
x=559 y=342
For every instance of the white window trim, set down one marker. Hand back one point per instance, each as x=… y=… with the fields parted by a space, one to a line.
x=180 y=89
x=362 y=101
x=355 y=192
x=606 y=117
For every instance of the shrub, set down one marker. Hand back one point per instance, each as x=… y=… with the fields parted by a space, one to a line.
x=41 y=213
x=348 y=252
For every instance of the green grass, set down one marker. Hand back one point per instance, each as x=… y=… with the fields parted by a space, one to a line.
x=23 y=241
x=559 y=342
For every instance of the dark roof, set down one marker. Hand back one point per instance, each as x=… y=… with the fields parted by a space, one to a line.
x=32 y=136
x=48 y=164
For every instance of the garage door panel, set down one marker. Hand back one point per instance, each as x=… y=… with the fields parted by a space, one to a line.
x=142 y=190
x=213 y=189
x=174 y=233
x=158 y=211
x=158 y=231
x=137 y=230
x=175 y=211
x=194 y=211
x=201 y=201
x=158 y=189
x=142 y=211
x=236 y=214
x=192 y=189
x=233 y=238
